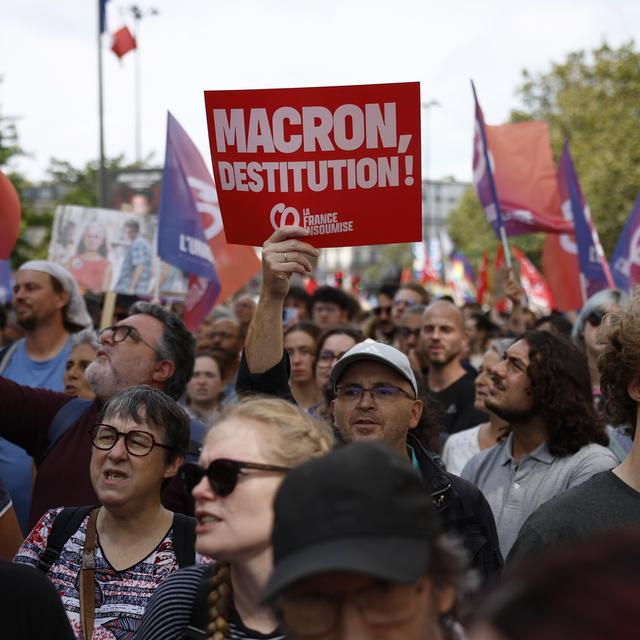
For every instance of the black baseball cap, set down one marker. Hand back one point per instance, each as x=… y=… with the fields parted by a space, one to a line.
x=362 y=509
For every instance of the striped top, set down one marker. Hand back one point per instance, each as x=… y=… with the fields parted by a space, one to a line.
x=169 y=611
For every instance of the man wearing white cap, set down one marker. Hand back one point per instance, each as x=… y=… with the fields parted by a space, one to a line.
x=48 y=307
x=376 y=398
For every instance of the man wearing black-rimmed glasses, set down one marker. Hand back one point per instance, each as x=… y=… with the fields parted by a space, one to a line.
x=151 y=346
x=377 y=397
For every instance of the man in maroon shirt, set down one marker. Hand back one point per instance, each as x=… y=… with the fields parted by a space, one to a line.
x=152 y=346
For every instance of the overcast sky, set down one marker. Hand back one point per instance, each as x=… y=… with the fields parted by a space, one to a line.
x=48 y=61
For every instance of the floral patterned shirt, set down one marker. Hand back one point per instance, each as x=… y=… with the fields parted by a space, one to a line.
x=120 y=596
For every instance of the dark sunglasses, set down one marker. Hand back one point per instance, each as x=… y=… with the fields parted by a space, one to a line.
x=222 y=474
x=595 y=317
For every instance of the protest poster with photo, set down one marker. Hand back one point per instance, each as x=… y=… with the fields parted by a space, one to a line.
x=107 y=250
x=134 y=190
x=342 y=161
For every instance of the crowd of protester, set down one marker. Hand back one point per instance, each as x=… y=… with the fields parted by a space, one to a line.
x=317 y=464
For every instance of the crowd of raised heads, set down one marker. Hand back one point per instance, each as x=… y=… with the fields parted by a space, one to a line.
x=318 y=462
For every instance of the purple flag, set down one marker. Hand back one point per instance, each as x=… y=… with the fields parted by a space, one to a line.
x=483 y=179
x=594 y=270
x=6 y=282
x=625 y=262
x=186 y=221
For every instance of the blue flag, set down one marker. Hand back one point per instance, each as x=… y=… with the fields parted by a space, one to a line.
x=181 y=235
x=6 y=282
x=102 y=10
x=594 y=270
x=625 y=262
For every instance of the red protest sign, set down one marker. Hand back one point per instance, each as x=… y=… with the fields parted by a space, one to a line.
x=341 y=161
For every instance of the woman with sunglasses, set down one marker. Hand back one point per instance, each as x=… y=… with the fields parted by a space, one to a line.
x=119 y=552
x=585 y=330
x=245 y=458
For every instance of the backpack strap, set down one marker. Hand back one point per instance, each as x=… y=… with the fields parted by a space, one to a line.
x=197 y=627
x=6 y=355
x=64 y=526
x=68 y=414
x=184 y=539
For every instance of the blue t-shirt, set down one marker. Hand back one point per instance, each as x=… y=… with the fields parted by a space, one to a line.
x=15 y=464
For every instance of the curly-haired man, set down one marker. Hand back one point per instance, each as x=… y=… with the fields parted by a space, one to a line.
x=542 y=389
x=611 y=499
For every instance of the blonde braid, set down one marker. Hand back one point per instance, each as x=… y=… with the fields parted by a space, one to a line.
x=219 y=600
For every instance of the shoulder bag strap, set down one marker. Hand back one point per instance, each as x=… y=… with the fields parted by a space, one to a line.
x=87 y=578
x=63 y=527
x=184 y=539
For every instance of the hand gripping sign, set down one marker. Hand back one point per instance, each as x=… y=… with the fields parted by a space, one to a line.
x=342 y=161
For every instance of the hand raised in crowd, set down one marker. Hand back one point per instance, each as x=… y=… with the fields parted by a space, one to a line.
x=285 y=253
x=514 y=291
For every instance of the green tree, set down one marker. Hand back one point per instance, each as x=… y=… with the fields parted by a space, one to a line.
x=472 y=234
x=593 y=99
x=393 y=258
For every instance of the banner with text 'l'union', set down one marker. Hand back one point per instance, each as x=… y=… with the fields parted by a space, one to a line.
x=342 y=161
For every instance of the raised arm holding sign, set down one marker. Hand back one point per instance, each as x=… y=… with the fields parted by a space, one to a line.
x=284 y=253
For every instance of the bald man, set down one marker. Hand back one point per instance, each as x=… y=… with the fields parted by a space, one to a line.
x=442 y=341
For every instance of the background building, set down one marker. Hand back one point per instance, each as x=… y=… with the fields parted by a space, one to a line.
x=439 y=197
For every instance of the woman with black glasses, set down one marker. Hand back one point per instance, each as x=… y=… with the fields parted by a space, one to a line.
x=245 y=458
x=106 y=561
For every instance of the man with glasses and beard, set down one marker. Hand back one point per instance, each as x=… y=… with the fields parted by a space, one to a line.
x=375 y=397
x=151 y=346
x=542 y=389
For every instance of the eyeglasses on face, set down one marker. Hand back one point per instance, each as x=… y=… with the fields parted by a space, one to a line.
x=316 y=614
x=406 y=332
x=381 y=392
x=403 y=303
x=326 y=357
x=137 y=443
x=120 y=332
x=222 y=474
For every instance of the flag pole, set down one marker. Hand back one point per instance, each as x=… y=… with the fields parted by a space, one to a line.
x=137 y=15
x=102 y=181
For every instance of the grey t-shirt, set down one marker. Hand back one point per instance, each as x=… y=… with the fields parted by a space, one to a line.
x=515 y=489
x=601 y=504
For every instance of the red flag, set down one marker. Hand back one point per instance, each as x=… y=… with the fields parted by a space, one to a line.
x=310 y=286
x=560 y=266
x=10 y=214
x=123 y=42
x=535 y=286
x=483 y=278
x=525 y=178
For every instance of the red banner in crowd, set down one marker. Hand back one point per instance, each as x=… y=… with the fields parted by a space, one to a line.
x=10 y=215
x=342 y=161
x=560 y=266
x=525 y=177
